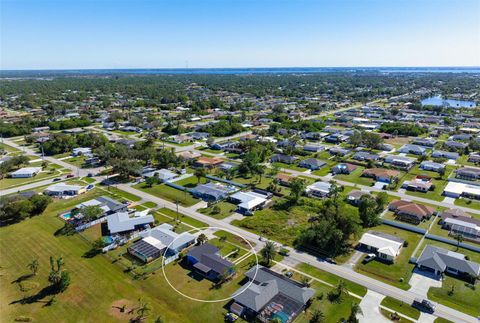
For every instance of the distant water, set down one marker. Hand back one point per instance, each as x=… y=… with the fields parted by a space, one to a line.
x=260 y=70
x=438 y=101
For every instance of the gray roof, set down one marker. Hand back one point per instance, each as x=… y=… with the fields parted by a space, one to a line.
x=206 y=254
x=313 y=162
x=439 y=259
x=215 y=190
x=266 y=284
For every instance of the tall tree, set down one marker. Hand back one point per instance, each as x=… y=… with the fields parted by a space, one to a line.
x=33 y=266
x=297 y=187
x=268 y=252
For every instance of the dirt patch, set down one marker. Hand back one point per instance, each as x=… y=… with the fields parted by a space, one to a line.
x=122 y=309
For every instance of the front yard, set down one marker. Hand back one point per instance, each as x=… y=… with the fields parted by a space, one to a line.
x=398 y=273
x=169 y=193
x=220 y=210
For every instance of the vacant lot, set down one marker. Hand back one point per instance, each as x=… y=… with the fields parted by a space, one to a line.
x=220 y=210
x=168 y=193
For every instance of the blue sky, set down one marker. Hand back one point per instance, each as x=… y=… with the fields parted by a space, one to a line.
x=46 y=34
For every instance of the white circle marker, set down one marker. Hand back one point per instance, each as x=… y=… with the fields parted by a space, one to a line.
x=244 y=288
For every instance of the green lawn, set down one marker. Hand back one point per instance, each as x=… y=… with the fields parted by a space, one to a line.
x=401 y=268
x=97 y=284
x=184 y=218
x=388 y=315
x=234 y=239
x=8 y=148
x=149 y=205
x=277 y=224
x=400 y=307
x=473 y=204
x=168 y=193
x=331 y=279
x=356 y=177
x=119 y=193
x=191 y=181
x=465 y=298
x=13 y=182
x=225 y=210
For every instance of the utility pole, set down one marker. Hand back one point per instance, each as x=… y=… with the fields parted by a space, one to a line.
x=176 y=202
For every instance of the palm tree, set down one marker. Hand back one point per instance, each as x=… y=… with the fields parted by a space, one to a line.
x=202 y=238
x=317 y=316
x=269 y=251
x=199 y=173
x=459 y=239
x=341 y=288
x=354 y=311
x=142 y=310
x=33 y=266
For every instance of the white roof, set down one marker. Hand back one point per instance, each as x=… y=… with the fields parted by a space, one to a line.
x=319 y=186
x=166 y=236
x=382 y=244
x=154 y=242
x=249 y=200
x=122 y=221
x=462 y=223
x=61 y=187
x=26 y=170
x=459 y=188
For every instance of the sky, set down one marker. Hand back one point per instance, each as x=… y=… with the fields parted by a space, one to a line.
x=82 y=34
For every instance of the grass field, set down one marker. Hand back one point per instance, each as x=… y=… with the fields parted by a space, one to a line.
x=400 y=307
x=168 y=193
x=225 y=210
x=97 y=285
x=465 y=298
x=401 y=268
x=468 y=203
x=184 y=218
x=356 y=177
x=119 y=193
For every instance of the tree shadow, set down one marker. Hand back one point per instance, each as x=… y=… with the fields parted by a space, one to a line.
x=92 y=253
x=44 y=292
x=22 y=278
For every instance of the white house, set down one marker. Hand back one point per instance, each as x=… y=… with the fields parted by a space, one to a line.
x=121 y=222
x=25 y=172
x=386 y=246
x=318 y=189
x=249 y=201
x=62 y=189
x=456 y=189
x=85 y=151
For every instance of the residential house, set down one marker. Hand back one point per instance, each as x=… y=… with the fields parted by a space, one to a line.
x=400 y=161
x=207 y=162
x=381 y=174
x=458 y=222
x=284 y=179
x=365 y=156
x=426 y=142
x=456 y=145
x=188 y=155
x=432 y=166
x=199 y=135
x=158 y=241
x=164 y=175
x=456 y=190
x=338 y=151
x=386 y=246
x=312 y=163
x=412 y=149
x=411 y=212
x=211 y=192
x=439 y=261
x=269 y=295
x=354 y=196
x=343 y=168
x=474 y=158
x=318 y=189
x=107 y=204
x=248 y=202
x=460 y=137
x=285 y=159
x=420 y=183
x=64 y=190
x=336 y=138
x=206 y=261
x=179 y=139
x=468 y=173
x=445 y=154
x=313 y=148
x=25 y=172
x=123 y=222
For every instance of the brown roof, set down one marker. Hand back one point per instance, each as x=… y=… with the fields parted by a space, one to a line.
x=454 y=213
x=284 y=177
x=357 y=194
x=418 y=210
x=381 y=172
x=209 y=161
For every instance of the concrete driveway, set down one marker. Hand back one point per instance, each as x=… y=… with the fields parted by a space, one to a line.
x=370 y=306
x=449 y=200
x=421 y=281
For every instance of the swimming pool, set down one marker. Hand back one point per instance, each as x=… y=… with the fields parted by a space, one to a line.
x=66 y=216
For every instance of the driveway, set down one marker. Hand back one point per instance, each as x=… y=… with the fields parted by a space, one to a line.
x=370 y=306
x=449 y=200
x=421 y=281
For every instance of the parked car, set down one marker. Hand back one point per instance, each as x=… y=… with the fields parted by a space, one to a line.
x=89 y=187
x=369 y=258
x=331 y=260
x=289 y=274
x=424 y=305
x=90 y=175
x=70 y=175
x=56 y=179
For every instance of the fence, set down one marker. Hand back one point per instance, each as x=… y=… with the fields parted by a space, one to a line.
x=453 y=242
x=218 y=179
x=90 y=224
x=404 y=226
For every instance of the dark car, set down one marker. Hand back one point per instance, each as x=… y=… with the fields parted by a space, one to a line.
x=56 y=179
x=90 y=175
x=70 y=175
x=331 y=260
x=424 y=305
